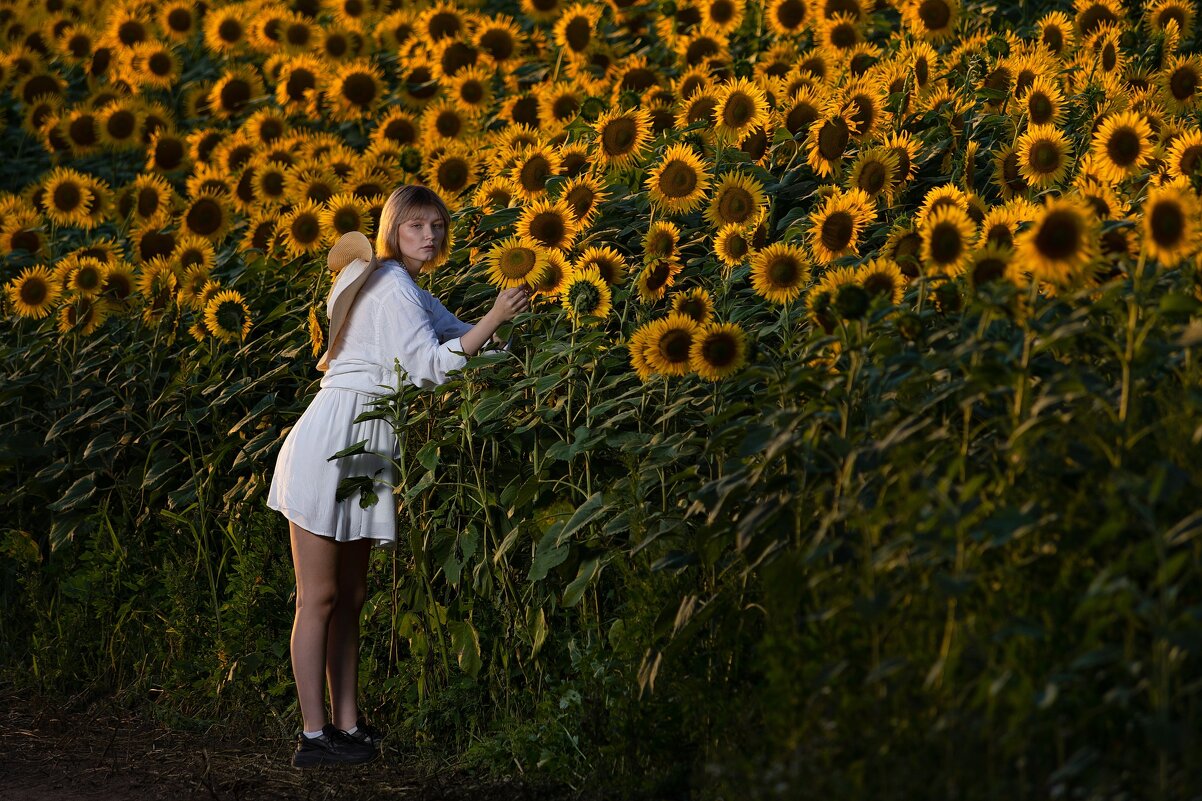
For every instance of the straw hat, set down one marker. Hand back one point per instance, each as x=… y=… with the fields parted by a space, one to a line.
x=352 y=260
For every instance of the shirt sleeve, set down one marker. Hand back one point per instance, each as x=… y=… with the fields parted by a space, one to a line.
x=407 y=333
x=446 y=325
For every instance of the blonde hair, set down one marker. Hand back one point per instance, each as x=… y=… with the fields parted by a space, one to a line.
x=405 y=202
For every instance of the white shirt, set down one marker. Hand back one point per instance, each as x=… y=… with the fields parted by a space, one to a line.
x=394 y=319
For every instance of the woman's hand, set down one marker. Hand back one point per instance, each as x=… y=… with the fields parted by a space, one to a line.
x=511 y=302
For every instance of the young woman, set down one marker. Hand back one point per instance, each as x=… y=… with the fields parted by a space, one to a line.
x=379 y=316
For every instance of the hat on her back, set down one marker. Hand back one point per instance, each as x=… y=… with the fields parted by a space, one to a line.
x=352 y=261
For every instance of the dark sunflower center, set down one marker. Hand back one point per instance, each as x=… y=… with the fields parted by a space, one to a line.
x=68 y=196
x=678 y=179
x=837 y=230
x=865 y=113
x=701 y=109
x=578 y=33
x=738 y=111
x=453 y=174
x=34 y=291
x=229 y=31
x=1045 y=157
x=306 y=229
x=534 y=173
x=448 y=124
x=581 y=199
x=547 y=227
x=674 y=345
x=800 y=117
x=472 y=92
x=498 y=43
x=736 y=246
x=179 y=20
x=1183 y=82
x=230 y=317
x=421 y=85
x=1124 y=146
x=1040 y=108
x=879 y=283
x=1014 y=179
x=989 y=268
x=1171 y=14
x=1000 y=234
x=832 y=139
x=517 y=262
x=1053 y=37
x=205 y=217
x=1167 y=223
x=444 y=25
x=1095 y=17
x=359 y=89
x=719 y=350
x=722 y=11
x=872 y=176
x=1110 y=57
x=735 y=204
x=783 y=272
x=1059 y=236
x=619 y=136
x=791 y=14
x=947 y=243
x=844 y=35
x=934 y=14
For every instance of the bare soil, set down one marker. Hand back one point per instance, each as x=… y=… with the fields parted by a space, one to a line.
x=52 y=753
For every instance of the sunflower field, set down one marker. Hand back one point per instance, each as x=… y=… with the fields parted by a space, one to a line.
x=852 y=447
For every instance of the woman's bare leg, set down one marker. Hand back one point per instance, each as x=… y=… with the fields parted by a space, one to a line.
x=315 y=561
x=342 y=654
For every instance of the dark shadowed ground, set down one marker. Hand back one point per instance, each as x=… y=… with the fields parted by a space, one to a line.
x=56 y=754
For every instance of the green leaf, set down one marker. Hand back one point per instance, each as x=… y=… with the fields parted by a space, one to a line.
x=536 y=627
x=427 y=457
x=548 y=555
x=589 y=569
x=588 y=511
x=465 y=642
x=357 y=448
x=75 y=495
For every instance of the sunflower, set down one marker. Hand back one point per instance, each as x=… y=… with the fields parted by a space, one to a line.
x=1055 y=30
x=301 y=229
x=661 y=240
x=827 y=141
x=637 y=347
x=947 y=236
x=779 y=272
x=576 y=28
x=1093 y=14
x=741 y=107
x=587 y=295
x=733 y=244
x=865 y=100
x=82 y=315
x=584 y=194
x=66 y=198
x=1185 y=155
x=737 y=198
x=342 y=214
x=718 y=350
x=532 y=167
x=835 y=226
x=1160 y=13
x=1042 y=102
x=444 y=121
x=802 y=109
x=608 y=263
x=1122 y=146
x=696 y=303
x=622 y=136
x=209 y=216
x=166 y=152
x=157 y=285
x=554 y=278
x=788 y=17
x=178 y=20
x=1006 y=175
x=678 y=183
x=1170 y=223
x=494 y=193
x=191 y=285
x=999 y=226
x=1060 y=244
x=516 y=261
x=990 y=263
x=932 y=20
x=882 y=278
x=874 y=172
x=551 y=223
x=155 y=65
x=1181 y=81
x=86 y=279
x=233 y=92
x=938 y=197
x=227 y=316
x=225 y=31
x=833 y=296
x=498 y=38
x=32 y=293
x=657 y=275
x=1043 y=156
x=119 y=284
x=669 y=343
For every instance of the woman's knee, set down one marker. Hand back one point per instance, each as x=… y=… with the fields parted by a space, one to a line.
x=316 y=601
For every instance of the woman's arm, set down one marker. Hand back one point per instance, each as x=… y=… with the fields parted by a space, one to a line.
x=509 y=303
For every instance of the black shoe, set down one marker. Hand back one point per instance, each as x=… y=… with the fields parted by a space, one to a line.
x=366 y=733
x=333 y=747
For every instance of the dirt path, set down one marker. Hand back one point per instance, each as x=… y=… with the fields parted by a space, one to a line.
x=49 y=754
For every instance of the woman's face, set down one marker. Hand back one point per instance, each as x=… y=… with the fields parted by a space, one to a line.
x=420 y=237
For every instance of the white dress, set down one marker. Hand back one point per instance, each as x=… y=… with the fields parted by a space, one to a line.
x=392 y=319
